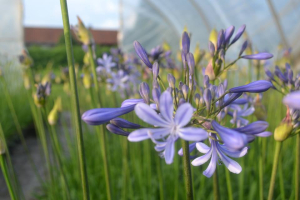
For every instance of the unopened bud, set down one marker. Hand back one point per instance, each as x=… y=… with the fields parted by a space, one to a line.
x=185 y=91
x=155 y=69
x=171 y=80
x=191 y=63
x=283 y=131
x=144 y=92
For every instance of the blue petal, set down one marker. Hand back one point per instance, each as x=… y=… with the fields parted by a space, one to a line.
x=170 y=150
x=192 y=146
x=292 y=100
x=192 y=134
x=123 y=123
x=166 y=106
x=231 y=165
x=254 y=87
x=130 y=102
x=202 y=159
x=143 y=134
x=259 y=56
x=116 y=130
x=201 y=147
x=142 y=53
x=253 y=128
x=183 y=114
x=212 y=165
x=148 y=115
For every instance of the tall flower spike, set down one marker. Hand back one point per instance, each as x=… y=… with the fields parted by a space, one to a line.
x=141 y=52
x=254 y=87
x=185 y=43
x=238 y=34
x=169 y=128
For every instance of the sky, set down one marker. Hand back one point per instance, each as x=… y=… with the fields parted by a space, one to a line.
x=98 y=14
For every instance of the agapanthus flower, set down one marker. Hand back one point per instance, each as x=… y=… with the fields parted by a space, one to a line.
x=292 y=100
x=169 y=128
x=118 y=81
x=105 y=63
x=218 y=152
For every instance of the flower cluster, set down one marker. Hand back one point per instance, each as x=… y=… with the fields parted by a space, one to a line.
x=189 y=111
x=287 y=83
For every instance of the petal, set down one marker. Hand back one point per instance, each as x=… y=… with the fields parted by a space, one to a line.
x=253 y=128
x=212 y=165
x=292 y=100
x=202 y=159
x=264 y=134
x=231 y=165
x=170 y=150
x=234 y=154
x=203 y=148
x=142 y=134
x=254 y=87
x=183 y=114
x=192 y=134
x=141 y=52
x=130 y=102
x=166 y=106
x=148 y=115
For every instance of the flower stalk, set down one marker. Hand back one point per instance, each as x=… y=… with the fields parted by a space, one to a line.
x=274 y=169
x=74 y=99
x=187 y=170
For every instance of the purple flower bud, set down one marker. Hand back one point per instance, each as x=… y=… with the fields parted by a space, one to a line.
x=220 y=39
x=185 y=91
x=259 y=56
x=191 y=63
x=99 y=116
x=280 y=75
x=269 y=74
x=254 y=87
x=130 y=102
x=238 y=34
x=185 y=43
x=292 y=100
x=211 y=48
x=155 y=70
x=244 y=46
x=228 y=33
x=144 y=92
x=207 y=98
x=116 y=130
x=122 y=123
x=206 y=81
x=180 y=85
x=141 y=52
x=155 y=96
x=197 y=99
x=232 y=98
x=171 y=80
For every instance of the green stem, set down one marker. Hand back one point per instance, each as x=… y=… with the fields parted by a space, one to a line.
x=216 y=186
x=93 y=65
x=6 y=177
x=260 y=170
x=160 y=178
x=297 y=187
x=241 y=181
x=274 y=170
x=101 y=135
x=228 y=182
x=281 y=179
x=75 y=101
x=187 y=170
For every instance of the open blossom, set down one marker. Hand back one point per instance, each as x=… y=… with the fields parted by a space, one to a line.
x=105 y=63
x=218 y=152
x=168 y=127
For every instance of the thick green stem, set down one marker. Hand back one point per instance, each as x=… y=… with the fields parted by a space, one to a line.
x=216 y=186
x=187 y=170
x=228 y=182
x=75 y=101
x=6 y=177
x=274 y=170
x=160 y=178
x=297 y=187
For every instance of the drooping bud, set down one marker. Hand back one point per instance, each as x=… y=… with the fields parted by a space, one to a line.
x=221 y=39
x=171 y=80
x=116 y=130
x=207 y=98
x=155 y=70
x=254 y=87
x=191 y=63
x=122 y=123
x=259 y=56
x=238 y=34
x=144 y=92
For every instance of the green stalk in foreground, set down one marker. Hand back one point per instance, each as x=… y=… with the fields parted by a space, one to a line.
x=187 y=170
x=74 y=99
x=297 y=167
x=274 y=170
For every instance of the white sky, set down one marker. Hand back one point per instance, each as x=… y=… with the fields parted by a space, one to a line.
x=100 y=14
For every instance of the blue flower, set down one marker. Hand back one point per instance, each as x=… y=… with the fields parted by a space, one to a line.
x=292 y=100
x=168 y=128
x=141 y=52
x=105 y=63
x=215 y=152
